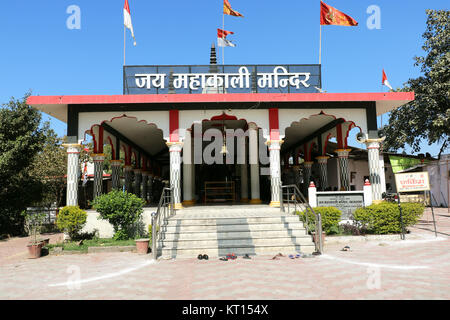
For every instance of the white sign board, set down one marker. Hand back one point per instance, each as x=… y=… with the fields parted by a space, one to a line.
x=413 y=181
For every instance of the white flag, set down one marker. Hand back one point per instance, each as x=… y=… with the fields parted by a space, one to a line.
x=222 y=42
x=127 y=19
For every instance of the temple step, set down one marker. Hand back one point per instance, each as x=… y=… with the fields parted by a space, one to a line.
x=220 y=231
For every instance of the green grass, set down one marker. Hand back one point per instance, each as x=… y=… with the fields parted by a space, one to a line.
x=73 y=246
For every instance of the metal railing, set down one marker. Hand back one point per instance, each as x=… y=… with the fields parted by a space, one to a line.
x=166 y=208
x=294 y=198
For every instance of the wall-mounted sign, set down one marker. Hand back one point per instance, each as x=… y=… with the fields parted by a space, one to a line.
x=345 y=201
x=412 y=181
x=221 y=79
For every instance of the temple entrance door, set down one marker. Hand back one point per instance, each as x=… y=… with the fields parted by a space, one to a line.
x=218 y=183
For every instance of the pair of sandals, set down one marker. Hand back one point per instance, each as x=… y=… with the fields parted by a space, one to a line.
x=202 y=257
x=291 y=256
x=232 y=256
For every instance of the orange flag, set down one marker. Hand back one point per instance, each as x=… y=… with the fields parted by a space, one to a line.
x=330 y=15
x=228 y=10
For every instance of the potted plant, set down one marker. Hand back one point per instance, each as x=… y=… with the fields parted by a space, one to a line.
x=33 y=223
x=142 y=246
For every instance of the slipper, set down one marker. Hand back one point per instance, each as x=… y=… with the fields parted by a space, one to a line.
x=205 y=257
x=346 y=248
x=275 y=258
x=291 y=256
x=297 y=256
x=200 y=257
x=246 y=256
x=232 y=256
x=223 y=259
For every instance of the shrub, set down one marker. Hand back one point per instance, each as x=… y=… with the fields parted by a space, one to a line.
x=384 y=218
x=71 y=219
x=122 y=210
x=330 y=219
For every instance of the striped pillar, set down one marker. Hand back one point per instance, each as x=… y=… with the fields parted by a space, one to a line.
x=323 y=161
x=98 y=173
x=275 y=167
x=144 y=190
x=137 y=181
x=175 y=171
x=307 y=165
x=73 y=167
x=373 y=150
x=254 y=163
x=150 y=187
x=115 y=175
x=343 y=168
x=297 y=176
x=127 y=172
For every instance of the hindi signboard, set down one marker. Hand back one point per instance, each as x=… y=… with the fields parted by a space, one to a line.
x=346 y=201
x=222 y=79
x=412 y=181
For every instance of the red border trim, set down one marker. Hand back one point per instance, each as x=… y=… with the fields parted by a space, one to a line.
x=231 y=97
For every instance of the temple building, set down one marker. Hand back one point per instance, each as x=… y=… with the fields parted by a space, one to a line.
x=224 y=133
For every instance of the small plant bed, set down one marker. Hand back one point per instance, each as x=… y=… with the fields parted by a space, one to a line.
x=82 y=246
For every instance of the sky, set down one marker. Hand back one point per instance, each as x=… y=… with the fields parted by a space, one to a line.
x=40 y=53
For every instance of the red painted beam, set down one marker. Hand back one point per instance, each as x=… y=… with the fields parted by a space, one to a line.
x=231 y=97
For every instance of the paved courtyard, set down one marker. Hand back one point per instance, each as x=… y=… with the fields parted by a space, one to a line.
x=381 y=269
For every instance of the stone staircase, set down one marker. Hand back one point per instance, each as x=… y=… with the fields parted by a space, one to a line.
x=242 y=229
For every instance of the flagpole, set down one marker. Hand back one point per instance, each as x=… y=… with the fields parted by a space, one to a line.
x=320 y=46
x=124 y=40
x=223 y=36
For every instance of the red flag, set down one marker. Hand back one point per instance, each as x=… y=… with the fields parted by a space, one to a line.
x=127 y=19
x=221 y=41
x=223 y=33
x=384 y=81
x=332 y=16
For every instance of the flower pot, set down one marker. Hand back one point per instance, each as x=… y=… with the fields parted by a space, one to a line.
x=34 y=250
x=142 y=246
x=316 y=239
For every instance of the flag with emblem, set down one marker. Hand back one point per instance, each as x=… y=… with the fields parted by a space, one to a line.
x=332 y=16
x=228 y=10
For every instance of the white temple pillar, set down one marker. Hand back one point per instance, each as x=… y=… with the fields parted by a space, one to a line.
x=275 y=174
x=254 y=163
x=175 y=170
x=187 y=171
x=73 y=154
x=373 y=151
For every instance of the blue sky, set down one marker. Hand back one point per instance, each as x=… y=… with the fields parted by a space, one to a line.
x=40 y=53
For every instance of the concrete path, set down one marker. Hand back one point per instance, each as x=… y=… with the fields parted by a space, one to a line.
x=411 y=269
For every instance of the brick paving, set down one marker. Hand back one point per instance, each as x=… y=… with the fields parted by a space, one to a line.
x=411 y=269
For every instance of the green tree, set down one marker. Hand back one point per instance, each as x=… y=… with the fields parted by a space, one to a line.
x=50 y=168
x=428 y=116
x=21 y=138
